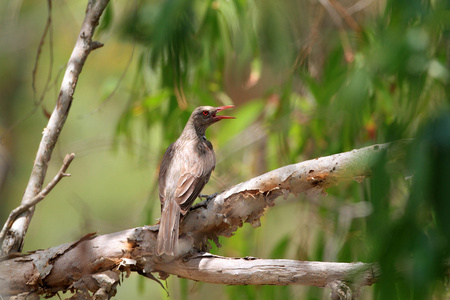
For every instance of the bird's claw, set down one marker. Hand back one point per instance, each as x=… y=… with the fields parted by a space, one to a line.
x=205 y=202
x=208 y=197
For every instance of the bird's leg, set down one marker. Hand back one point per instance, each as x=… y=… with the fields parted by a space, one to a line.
x=205 y=202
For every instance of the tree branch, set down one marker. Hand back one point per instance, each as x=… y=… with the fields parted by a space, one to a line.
x=13 y=241
x=89 y=265
x=211 y=268
x=247 y=201
x=22 y=208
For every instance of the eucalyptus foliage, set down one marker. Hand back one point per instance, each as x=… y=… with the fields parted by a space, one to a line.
x=310 y=80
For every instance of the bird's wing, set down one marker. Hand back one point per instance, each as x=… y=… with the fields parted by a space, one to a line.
x=164 y=167
x=194 y=174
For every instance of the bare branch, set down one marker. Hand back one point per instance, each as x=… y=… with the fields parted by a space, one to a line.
x=22 y=208
x=13 y=241
x=211 y=268
x=247 y=201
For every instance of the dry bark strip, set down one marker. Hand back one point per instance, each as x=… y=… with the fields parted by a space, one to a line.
x=92 y=264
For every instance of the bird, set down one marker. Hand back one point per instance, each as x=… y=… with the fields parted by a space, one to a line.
x=185 y=169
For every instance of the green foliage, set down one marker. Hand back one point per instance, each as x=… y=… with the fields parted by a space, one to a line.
x=417 y=242
x=383 y=80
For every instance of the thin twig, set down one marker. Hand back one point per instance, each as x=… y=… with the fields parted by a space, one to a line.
x=39 y=197
x=345 y=15
x=358 y=6
x=48 y=29
x=310 y=41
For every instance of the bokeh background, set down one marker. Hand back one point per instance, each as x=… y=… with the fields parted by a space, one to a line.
x=308 y=78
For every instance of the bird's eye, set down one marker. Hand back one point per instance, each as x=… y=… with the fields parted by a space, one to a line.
x=205 y=113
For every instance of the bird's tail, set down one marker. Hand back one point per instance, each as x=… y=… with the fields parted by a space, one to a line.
x=168 y=228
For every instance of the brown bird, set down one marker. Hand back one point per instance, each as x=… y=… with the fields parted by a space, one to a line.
x=185 y=169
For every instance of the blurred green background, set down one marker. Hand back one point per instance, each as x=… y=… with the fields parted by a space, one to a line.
x=308 y=78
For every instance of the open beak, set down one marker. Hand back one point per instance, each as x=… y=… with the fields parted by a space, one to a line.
x=220 y=108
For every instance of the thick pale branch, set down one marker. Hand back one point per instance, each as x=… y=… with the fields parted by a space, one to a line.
x=71 y=266
x=247 y=201
x=249 y=270
x=13 y=241
x=22 y=208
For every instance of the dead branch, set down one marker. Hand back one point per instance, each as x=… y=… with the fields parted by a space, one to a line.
x=13 y=240
x=247 y=201
x=211 y=268
x=89 y=265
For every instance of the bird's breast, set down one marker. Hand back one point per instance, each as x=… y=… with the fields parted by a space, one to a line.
x=204 y=147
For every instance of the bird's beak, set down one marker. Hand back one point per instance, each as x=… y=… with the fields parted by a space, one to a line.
x=220 y=108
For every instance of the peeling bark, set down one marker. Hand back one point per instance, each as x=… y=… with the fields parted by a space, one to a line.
x=247 y=201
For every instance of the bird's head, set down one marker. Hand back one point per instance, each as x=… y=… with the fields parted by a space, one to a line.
x=203 y=116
